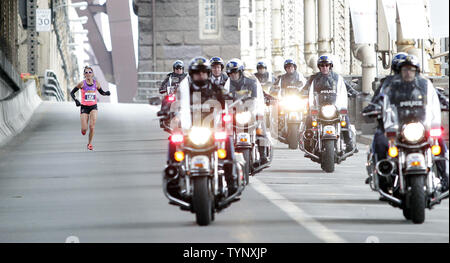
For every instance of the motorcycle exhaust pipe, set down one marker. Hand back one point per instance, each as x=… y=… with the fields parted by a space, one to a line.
x=385 y=167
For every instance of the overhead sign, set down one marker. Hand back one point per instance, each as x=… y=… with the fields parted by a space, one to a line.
x=43 y=20
x=364 y=21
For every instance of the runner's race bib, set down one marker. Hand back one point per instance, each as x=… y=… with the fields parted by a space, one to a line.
x=89 y=97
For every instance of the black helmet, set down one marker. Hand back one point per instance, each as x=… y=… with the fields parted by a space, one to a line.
x=199 y=64
x=396 y=60
x=217 y=60
x=178 y=64
x=235 y=65
x=325 y=60
x=410 y=60
x=290 y=62
x=261 y=64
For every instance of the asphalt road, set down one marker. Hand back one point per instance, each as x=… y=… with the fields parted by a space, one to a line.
x=52 y=188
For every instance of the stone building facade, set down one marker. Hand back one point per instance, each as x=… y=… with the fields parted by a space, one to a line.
x=185 y=29
x=245 y=29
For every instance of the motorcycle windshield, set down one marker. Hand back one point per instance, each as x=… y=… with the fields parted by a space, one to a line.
x=395 y=117
x=290 y=90
x=247 y=105
x=207 y=115
x=325 y=97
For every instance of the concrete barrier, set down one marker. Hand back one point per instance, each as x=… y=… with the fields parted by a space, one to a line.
x=17 y=111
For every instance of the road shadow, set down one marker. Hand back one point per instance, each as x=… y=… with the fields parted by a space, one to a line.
x=364 y=221
x=293 y=171
x=341 y=201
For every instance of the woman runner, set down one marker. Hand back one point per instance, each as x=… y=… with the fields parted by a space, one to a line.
x=88 y=102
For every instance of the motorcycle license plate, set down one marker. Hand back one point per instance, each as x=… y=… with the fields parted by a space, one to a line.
x=199 y=162
x=243 y=137
x=415 y=161
x=329 y=130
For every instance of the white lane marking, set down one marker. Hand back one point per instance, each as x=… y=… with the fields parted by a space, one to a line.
x=391 y=233
x=353 y=218
x=305 y=202
x=292 y=177
x=299 y=184
x=326 y=194
x=296 y=213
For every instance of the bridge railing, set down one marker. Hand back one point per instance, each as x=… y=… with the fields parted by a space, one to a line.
x=148 y=87
x=52 y=89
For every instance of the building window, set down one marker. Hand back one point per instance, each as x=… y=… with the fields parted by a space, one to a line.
x=209 y=18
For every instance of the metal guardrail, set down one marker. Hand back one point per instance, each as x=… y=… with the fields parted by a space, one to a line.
x=52 y=87
x=148 y=86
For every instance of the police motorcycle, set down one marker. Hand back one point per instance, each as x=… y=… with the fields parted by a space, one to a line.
x=195 y=179
x=165 y=114
x=292 y=107
x=323 y=143
x=408 y=177
x=270 y=102
x=242 y=119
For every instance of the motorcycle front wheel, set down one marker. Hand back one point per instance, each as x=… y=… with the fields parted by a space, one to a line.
x=246 y=169
x=292 y=137
x=202 y=201
x=417 y=199
x=327 y=157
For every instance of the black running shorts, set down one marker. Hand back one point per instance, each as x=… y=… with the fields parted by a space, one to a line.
x=88 y=109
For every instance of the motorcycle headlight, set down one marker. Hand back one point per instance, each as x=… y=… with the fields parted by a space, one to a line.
x=243 y=117
x=293 y=103
x=199 y=135
x=413 y=132
x=329 y=111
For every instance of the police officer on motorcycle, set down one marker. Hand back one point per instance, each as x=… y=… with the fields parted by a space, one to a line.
x=238 y=81
x=198 y=83
x=172 y=81
x=173 y=78
x=218 y=77
x=262 y=74
x=409 y=85
x=291 y=78
x=326 y=79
